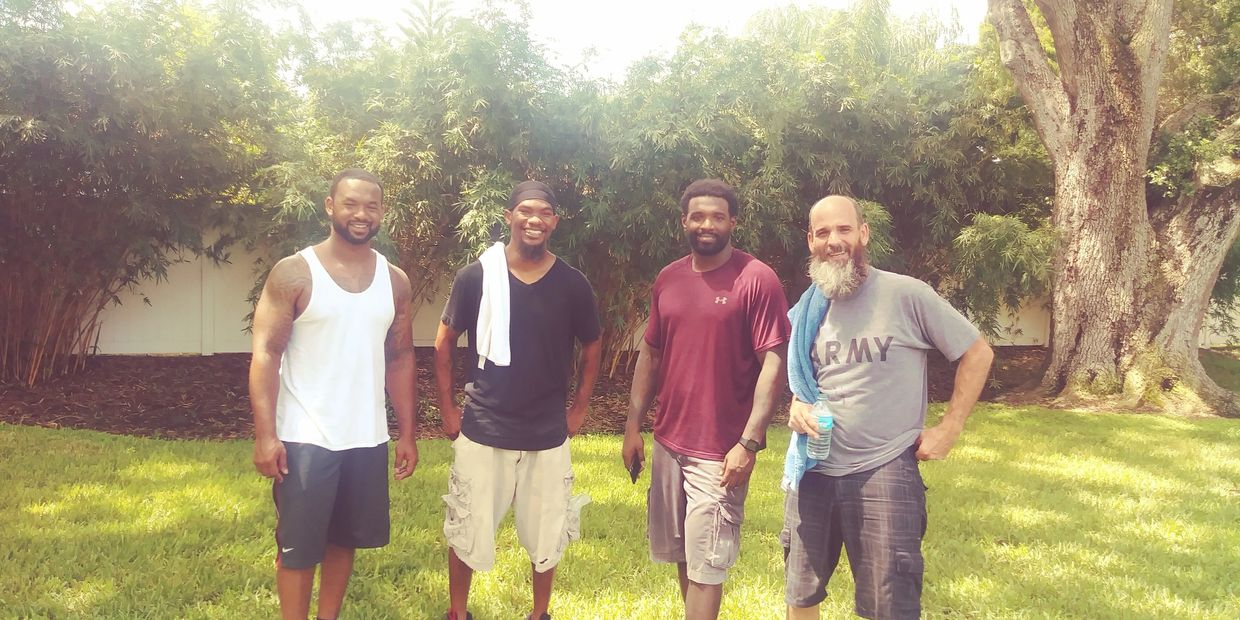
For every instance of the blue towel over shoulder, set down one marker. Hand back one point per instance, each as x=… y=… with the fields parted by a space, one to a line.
x=806 y=317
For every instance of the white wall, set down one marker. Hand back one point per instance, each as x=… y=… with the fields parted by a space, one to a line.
x=1030 y=326
x=171 y=324
x=200 y=310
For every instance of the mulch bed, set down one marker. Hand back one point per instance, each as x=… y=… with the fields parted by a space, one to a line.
x=207 y=397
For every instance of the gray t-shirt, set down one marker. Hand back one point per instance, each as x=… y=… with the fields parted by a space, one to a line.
x=870 y=356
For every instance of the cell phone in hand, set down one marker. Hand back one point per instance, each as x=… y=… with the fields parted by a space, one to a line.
x=635 y=468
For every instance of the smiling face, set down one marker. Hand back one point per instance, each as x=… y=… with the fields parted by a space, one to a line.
x=708 y=225
x=356 y=210
x=531 y=223
x=837 y=246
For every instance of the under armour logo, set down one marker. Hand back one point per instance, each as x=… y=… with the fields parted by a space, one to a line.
x=721 y=300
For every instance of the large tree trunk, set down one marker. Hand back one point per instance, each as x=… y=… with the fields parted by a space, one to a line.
x=1130 y=295
x=1132 y=281
x=1162 y=364
x=1103 y=247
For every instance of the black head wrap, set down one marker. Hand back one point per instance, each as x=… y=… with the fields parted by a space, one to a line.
x=531 y=190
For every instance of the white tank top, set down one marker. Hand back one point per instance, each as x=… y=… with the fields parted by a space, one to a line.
x=332 y=372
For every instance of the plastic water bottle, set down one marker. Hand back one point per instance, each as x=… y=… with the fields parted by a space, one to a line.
x=818 y=449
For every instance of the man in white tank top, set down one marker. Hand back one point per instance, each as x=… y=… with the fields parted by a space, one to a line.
x=332 y=332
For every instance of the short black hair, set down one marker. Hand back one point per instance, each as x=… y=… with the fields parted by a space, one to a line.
x=355 y=173
x=710 y=187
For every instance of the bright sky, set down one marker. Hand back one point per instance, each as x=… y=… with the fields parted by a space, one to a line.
x=623 y=31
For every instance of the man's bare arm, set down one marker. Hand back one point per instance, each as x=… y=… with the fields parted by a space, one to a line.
x=401 y=378
x=445 y=347
x=738 y=463
x=971 y=375
x=937 y=441
x=591 y=359
x=645 y=385
x=273 y=325
x=641 y=395
x=766 y=392
x=401 y=374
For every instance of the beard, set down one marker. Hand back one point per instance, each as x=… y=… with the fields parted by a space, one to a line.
x=343 y=231
x=838 y=280
x=532 y=252
x=708 y=248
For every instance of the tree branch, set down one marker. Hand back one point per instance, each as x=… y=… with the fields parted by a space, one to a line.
x=1147 y=28
x=1022 y=54
x=1213 y=105
x=1140 y=22
x=1060 y=16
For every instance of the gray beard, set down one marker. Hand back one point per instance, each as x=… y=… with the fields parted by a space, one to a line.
x=836 y=281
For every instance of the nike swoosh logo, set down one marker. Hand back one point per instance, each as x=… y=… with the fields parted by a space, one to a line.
x=286 y=549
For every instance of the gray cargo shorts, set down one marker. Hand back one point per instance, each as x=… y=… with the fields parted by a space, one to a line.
x=879 y=517
x=690 y=518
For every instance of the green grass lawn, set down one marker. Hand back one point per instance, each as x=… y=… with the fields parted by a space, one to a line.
x=1038 y=514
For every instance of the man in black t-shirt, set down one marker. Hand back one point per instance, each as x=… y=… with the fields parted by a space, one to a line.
x=522 y=308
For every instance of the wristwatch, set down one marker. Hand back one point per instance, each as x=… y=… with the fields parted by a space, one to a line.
x=751 y=445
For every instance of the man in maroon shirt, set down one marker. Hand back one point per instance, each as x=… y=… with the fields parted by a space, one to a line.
x=714 y=351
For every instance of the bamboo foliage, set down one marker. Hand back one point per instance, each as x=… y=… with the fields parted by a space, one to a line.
x=59 y=340
x=166 y=121
x=126 y=134
x=802 y=104
x=129 y=133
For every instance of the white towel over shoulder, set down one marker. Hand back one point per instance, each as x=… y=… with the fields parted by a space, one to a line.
x=493 y=311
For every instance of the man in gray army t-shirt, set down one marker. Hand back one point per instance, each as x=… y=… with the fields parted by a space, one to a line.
x=869 y=359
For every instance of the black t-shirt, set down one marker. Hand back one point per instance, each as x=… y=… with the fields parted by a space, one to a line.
x=522 y=406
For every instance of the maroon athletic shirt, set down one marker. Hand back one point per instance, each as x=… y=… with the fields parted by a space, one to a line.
x=712 y=328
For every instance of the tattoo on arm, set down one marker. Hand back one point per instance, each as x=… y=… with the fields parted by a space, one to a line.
x=399 y=337
x=287 y=284
x=399 y=340
x=278 y=304
x=273 y=326
x=277 y=338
